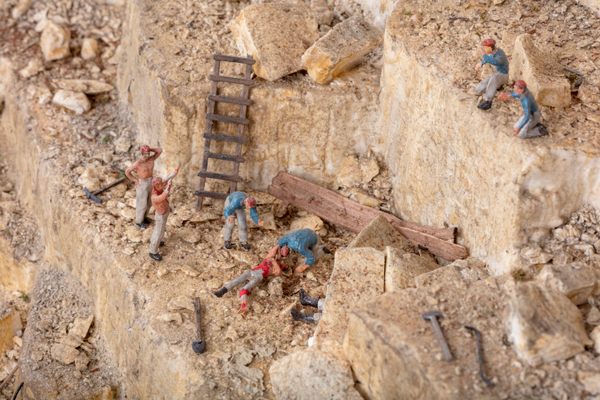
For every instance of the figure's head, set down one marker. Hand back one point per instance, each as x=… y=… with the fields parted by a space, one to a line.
x=158 y=184
x=250 y=202
x=145 y=150
x=520 y=87
x=489 y=45
x=284 y=251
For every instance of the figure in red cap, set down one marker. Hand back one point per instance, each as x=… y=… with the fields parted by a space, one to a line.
x=488 y=87
x=235 y=205
x=529 y=125
x=143 y=169
x=161 y=188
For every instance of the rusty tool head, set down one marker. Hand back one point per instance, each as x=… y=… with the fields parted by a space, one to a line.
x=198 y=345
x=429 y=315
x=91 y=196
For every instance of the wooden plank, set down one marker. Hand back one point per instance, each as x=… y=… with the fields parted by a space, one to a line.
x=226 y=157
x=230 y=79
x=353 y=216
x=214 y=195
x=222 y=177
x=231 y=99
x=241 y=60
x=227 y=118
x=225 y=138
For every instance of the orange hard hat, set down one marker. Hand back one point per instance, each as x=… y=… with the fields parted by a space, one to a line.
x=521 y=84
x=489 y=43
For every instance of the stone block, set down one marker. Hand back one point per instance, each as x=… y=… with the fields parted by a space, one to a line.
x=10 y=325
x=73 y=101
x=357 y=277
x=312 y=374
x=535 y=66
x=544 y=325
x=89 y=48
x=402 y=268
x=577 y=280
x=276 y=35
x=378 y=234
x=54 y=41
x=340 y=49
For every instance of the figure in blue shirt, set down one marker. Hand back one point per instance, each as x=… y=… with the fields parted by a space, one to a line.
x=489 y=86
x=304 y=242
x=528 y=126
x=235 y=205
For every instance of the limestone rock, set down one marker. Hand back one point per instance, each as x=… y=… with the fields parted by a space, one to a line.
x=74 y=101
x=544 y=325
x=349 y=173
x=593 y=316
x=401 y=268
x=87 y=86
x=275 y=35
x=312 y=374
x=595 y=336
x=590 y=380
x=378 y=234
x=89 y=48
x=576 y=281
x=275 y=287
x=340 y=49
x=134 y=234
x=89 y=178
x=322 y=11
x=180 y=303
x=357 y=276
x=534 y=255
x=21 y=8
x=549 y=86
x=10 y=325
x=363 y=198
x=448 y=275
x=81 y=327
x=310 y=221
x=34 y=67
x=54 y=41
x=171 y=317
x=64 y=353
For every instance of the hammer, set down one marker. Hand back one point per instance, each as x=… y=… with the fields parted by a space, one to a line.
x=94 y=195
x=432 y=316
x=198 y=345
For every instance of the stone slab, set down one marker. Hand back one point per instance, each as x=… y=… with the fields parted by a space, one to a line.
x=402 y=268
x=577 y=280
x=378 y=234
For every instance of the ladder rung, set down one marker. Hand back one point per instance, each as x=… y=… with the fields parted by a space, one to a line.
x=225 y=138
x=226 y=157
x=229 y=79
x=242 y=60
x=214 y=195
x=228 y=119
x=222 y=177
x=228 y=99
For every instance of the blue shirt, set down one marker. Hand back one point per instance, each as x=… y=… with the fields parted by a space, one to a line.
x=235 y=201
x=497 y=59
x=301 y=241
x=528 y=104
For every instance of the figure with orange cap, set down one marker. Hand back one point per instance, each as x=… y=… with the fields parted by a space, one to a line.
x=235 y=205
x=140 y=172
x=529 y=125
x=161 y=189
x=488 y=87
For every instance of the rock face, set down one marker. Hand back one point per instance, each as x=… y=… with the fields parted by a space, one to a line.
x=275 y=35
x=577 y=281
x=74 y=101
x=54 y=41
x=544 y=325
x=312 y=374
x=340 y=49
x=401 y=268
x=10 y=325
x=549 y=86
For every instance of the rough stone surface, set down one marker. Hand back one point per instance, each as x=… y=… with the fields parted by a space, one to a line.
x=545 y=80
x=576 y=280
x=544 y=325
x=87 y=86
x=54 y=41
x=275 y=35
x=89 y=48
x=401 y=268
x=340 y=49
x=312 y=374
x=378 y=234
x=74 y=101
x=309 y=221
x=10 y=325
x=32 y=68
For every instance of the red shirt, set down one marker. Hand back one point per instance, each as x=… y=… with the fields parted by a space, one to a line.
x=265 y=266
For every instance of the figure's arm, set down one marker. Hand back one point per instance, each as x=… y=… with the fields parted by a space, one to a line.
x=129 y=172
x=272 y=253
x=160 y=197
x=254 y=216
x=157 y=152
x=309 y=257
x=275 y=267
x=172 y=175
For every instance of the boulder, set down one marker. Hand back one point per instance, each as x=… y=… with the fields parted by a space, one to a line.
x=378 y=234
x=545 y=79
x=73 y=101
x=276 y=35
x=544 y=325
x=89 y=48
x=312 y=374
x=308 y=221
x=54 y=41
x=401 y=268
x=341 y=49
x=87 y=86
x=577 y=280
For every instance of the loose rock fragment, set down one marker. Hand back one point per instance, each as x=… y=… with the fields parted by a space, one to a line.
x=340 y=49
x=34 y=67
x=401 y=268
x=73 y=101
x=89 y=48
x=55 y=41
x=87 y=86
x=21 y=8
x=576 y=281
x=64 y=353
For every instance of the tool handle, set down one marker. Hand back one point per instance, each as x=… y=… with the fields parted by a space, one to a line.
x=104 y=189
x=197 y=311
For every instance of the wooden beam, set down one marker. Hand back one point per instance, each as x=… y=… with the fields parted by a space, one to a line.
x=353 y=216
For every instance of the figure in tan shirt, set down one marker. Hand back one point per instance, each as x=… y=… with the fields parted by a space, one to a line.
x=141 y=174
x=161 y=189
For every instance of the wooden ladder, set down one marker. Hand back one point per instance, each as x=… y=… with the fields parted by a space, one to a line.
x=212 y=117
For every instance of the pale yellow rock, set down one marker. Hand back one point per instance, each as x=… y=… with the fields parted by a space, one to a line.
x=21 y=8
x=594 y=5
x=349 y=173
x=310 y=221
x=73 y=101
x=541 y=72
x=171 y=317
x=577 y=280
x=595 y=336
x=87 y=86
x=590 y=380
x=10 y=325
x=401 y=268
x=364 y=199
x=54 y=41
x=275 y=35
x=378 y=234
x=89 y=48
x=64 y=353
x=341 y=49
x=33 y=67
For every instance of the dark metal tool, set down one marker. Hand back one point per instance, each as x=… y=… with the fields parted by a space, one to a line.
x=94 y=195
x=479 y=355
x=198 y=345
x=432 y=316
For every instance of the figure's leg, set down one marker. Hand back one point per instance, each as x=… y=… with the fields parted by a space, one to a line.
x=232 y=283
x=164 y=227
x=155 y=238
x=254 y=279
x=494 y=83
x=298 y=315
x=531 y=128
x=480 y=88
x=142 y=193
x=242 y=229
x=307 y=300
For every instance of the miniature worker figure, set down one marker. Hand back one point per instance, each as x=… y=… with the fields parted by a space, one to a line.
x=529 y=125
x=269 y=266
x=489 y=86
x=303 y=241
x=235 y=205
x=161 y=189
x=307 y=300
x=144 y=169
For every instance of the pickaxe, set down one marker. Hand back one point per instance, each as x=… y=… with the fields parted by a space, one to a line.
x=94 y=195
